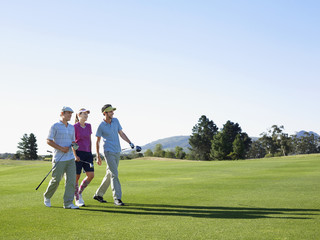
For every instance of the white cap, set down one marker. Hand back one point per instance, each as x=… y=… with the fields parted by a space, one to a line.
x=83 y=110
x=66 y=109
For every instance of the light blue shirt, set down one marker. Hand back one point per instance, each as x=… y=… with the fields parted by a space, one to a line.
x=110 y=135
x=62 y=136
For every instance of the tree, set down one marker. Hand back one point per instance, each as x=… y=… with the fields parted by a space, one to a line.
x=306 y=144
x=275 y=141
x=28 y=147
x=230 y=143
x=191 y=156
x=238 y=148
x=33 y=147
x=23 y=146
x=200 y=140
x=285 y=144
x=230 y=131
x=218 y=147
x=169 y=154
x=256 y=150
x=179 y=153
x=148 y=153
x=16 y=156
x=158 y=152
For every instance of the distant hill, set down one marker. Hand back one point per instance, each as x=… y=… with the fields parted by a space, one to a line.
x=169 y=143
x=301 y=133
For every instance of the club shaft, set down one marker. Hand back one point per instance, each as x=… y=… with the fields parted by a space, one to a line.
x=50 y=171
x=44 y=178
x=86 y=162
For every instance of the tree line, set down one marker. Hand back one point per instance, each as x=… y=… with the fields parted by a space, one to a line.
x=209 y=143
x=231 y=143
x=275 y=142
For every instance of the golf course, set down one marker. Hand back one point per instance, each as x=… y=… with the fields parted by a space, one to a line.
x=270 y=198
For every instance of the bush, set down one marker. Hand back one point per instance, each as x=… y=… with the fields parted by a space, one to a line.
x=191 y=156
x=132 y=155
x=278 y=154
x=148 y=153
x=169 y=154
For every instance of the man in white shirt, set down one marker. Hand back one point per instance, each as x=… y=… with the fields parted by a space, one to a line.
x=61 y=136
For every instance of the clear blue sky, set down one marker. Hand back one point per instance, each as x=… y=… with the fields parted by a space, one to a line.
x=163 y=64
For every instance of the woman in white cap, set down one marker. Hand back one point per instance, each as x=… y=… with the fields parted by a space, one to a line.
x=83 y=155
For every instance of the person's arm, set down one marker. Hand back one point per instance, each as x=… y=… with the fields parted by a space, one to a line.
x=125 y=138
x=76 y=157
x=90 y=136
x=56 y=146
x=98 y=151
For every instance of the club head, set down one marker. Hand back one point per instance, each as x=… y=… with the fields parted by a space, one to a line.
x=75 y=146
x=138 y=149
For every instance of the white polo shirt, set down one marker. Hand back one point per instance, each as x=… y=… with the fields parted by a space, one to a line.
x=63 y=136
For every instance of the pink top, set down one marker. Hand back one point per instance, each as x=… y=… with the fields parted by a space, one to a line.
x=83 y=136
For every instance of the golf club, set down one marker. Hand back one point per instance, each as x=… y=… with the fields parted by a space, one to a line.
x=91 y=165
x=50 y=170
x=138 y=149
x=75 y=146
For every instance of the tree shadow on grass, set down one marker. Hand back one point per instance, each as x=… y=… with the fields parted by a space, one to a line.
x=205 y=211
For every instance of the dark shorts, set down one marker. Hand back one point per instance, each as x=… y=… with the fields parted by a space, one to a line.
x=87 y=157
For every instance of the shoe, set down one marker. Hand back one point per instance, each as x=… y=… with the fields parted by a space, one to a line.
x=47 y=202
x=118 y=202
x=80 y=202
x=99 y=198
x=71 y=206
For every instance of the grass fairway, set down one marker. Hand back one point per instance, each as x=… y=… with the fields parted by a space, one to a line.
x=277 y=198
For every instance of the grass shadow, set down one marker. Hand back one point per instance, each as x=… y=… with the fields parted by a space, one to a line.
x=205 y=211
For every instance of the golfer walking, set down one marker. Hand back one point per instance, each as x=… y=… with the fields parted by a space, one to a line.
x=83 y=155
x=110 y=129
x=61 y=136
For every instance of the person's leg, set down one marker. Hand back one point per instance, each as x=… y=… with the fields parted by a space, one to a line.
x=78 y=174
x=86 y=181
x=57 y=174
x=76 y=189
x=89 y=171
x=113 y=163
x=104 y=184
x=70 y=182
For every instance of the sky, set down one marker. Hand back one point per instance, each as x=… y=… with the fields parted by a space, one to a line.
x=161 y=63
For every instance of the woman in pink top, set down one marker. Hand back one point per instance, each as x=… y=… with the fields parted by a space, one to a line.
x=84 y=158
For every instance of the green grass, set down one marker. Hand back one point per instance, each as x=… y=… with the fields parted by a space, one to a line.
x=276 y=198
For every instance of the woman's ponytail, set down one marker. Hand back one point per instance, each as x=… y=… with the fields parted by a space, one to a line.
x=77 y=118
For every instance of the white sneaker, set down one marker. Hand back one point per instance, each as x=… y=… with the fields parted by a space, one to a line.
x=71 y=206
x=47 y=202
x=81 y=200
x=79 y=203
x=76 y=201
